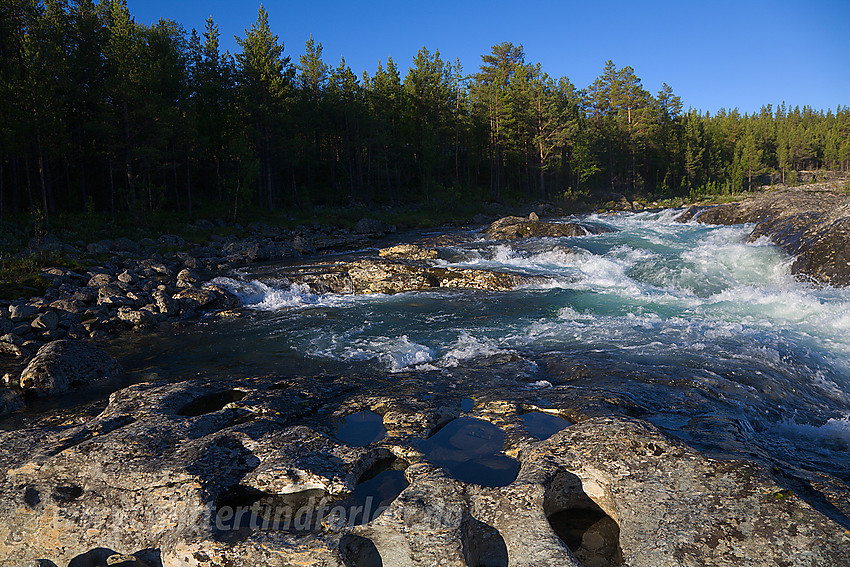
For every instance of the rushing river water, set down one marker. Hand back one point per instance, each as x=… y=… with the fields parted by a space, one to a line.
x=703 y=333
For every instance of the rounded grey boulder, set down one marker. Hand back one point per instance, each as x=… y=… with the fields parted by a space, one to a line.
x=60 y=365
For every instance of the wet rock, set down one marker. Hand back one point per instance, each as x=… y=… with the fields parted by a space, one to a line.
x=193 y=298
x=6 y=326
x=408 y=252
x=9 y=401
x=509 y=228
x=396 y=276
x=60 y=365
x=812 y=223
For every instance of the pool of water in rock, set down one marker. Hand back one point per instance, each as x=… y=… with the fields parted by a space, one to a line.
x=470 y=450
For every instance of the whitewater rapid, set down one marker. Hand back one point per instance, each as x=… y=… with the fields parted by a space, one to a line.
x=691 y=322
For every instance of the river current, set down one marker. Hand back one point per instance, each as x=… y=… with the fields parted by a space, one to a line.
x=703 y=333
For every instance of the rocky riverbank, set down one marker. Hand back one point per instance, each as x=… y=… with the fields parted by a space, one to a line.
x=473 y=468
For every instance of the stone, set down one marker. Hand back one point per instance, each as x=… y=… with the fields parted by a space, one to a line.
x=100 y=280
x=194 y=299
x=61 y=365
x=509 y=228
x=21 y=311
x=533 y=217
x=124 y=244
x=397 y=276
x=166 y=304
x=48 y=320
x=139 y=319
x=372 y=226
x=98 y=248
x=69 y=305
x=127 y=277
x=6 y=326
x=187 y=278
x=408 y=252
x=9 y=400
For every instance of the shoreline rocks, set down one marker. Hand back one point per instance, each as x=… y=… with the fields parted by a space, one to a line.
x=811 y=223
x=63 y=364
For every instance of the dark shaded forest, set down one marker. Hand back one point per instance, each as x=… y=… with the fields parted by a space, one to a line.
x=100 y=113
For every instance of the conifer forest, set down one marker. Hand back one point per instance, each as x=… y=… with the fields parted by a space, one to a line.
x=102 y=113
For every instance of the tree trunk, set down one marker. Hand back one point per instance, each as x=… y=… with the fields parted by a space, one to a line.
x=128 y=161
x=189 y=186
x=41 y=177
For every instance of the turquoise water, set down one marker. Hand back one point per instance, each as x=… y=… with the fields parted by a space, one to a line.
x=705 y=334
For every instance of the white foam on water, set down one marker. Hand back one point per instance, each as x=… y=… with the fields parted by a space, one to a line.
x=468 y=347
x=835 y=430
x=263 y=297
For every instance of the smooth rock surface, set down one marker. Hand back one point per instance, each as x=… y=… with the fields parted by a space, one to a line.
x=165 y=467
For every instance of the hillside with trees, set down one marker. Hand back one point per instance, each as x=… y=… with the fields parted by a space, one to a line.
x=101 y=113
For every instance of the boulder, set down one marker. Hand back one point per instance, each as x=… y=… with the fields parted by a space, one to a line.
x=22 y=311
x=166 y=304
x=372 y=226
x=139 y=319
x=509 y=228
x=6 y=326
x=61 y=365
x=100 y=280
x=397 y=276
x=47 y=321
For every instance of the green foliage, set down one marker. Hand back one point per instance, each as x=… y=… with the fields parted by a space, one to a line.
x=102 y=114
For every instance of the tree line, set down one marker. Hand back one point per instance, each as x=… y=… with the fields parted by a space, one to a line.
x=102 y=113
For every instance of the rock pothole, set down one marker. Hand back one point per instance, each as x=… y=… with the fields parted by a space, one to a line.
x=470 y=450
x=589 y=532
x=361 y=429
x=543 y=425
x=210 y=403
x=357 y=551
x=484 y=546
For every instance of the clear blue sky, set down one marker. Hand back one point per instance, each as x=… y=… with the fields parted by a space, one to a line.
x=713 y=54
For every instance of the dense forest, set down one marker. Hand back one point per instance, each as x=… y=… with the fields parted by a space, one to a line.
x=101 y=113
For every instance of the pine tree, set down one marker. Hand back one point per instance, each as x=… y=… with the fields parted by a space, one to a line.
x=264 y=76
